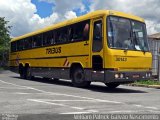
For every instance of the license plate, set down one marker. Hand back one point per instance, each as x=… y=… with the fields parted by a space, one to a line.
x=135 y=76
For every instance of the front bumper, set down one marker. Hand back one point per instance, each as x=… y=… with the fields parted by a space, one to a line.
x=110 y=76
x=125 y=76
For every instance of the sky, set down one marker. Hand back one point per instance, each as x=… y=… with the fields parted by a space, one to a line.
x=29 y=15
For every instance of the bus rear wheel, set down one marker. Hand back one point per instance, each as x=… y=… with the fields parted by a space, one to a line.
x=21 y=73
x=112 y=85
x=78 y=78
x=28 y=74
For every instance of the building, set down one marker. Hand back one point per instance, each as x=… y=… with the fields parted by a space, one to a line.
x=154 y=43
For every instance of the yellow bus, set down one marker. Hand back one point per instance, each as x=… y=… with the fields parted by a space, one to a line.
x=102 y=46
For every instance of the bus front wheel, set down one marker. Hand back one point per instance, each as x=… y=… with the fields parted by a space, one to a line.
x=78 y=78
x=112 y=85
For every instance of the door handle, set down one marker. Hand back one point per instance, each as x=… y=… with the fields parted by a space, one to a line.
x=85 y=44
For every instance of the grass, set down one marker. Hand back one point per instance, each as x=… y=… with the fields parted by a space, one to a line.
x=147 y=82
x=4 y=68
x=1 y=68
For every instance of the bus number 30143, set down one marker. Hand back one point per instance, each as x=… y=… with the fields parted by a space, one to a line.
x=53 y=50
x=121 y=59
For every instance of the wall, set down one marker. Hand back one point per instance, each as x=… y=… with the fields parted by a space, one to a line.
x=155 y=49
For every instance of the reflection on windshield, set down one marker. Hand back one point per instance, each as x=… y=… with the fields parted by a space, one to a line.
x=126 y=34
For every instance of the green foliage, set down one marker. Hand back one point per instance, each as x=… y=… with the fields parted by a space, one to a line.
x=4 y=41
x=148 y=82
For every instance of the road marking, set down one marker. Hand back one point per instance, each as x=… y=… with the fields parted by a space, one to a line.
x=84 y=112
x=23 y=86
x=78 y=108
x=70 y=113
x=12 y=84
x=152 y=108
x=68 y=100
x=122 y=111
x=53 y=93
x=50 y=103
x=135 y=111
x=132 y=111
x=41 y=101
x=63 y=105
x=138 y=105
x=94 y=99
x=148 y=107
x=10 y=88
x=20 y=93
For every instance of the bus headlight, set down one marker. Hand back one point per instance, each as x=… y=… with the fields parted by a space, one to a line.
x=121 y=75
x=146 y=75
x=116 y=76
x=149 y=74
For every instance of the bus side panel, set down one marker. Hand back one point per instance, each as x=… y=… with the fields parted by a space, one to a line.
x=53 y=61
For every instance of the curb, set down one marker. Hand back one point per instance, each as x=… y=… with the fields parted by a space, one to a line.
x=147 y=86
x=155 y=86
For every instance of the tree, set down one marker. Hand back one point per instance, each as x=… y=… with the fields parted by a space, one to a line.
x=4 y=41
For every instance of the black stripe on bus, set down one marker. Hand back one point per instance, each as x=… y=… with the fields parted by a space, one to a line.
x=51 y=57
x=37 y=67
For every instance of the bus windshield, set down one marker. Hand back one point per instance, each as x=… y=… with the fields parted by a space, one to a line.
x=126 y=34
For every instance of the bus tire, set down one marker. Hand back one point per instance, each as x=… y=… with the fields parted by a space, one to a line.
x=78 y=78
x=112 y=85
x=21 y=72
x=28 y=73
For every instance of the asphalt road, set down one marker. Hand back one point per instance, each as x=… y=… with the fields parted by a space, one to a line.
x=50 y=99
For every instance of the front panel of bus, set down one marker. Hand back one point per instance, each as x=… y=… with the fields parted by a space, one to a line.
x=127 y=55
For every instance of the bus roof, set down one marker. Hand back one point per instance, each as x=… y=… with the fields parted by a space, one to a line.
x=78 y=19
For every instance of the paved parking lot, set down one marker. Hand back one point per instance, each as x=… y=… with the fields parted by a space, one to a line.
x=49 y=97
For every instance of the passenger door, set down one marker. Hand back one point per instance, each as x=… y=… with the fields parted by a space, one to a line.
x=97 y=50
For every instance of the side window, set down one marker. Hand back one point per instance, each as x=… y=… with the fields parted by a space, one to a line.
x=13 y=46
x=48 y=38
x=28 y=43
x=70 y=33
x=62 y=35
x=37 y=41
x=86 y=31
x=79 y=31
x=58 y=36
x=97 y=36
x=20 y=45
